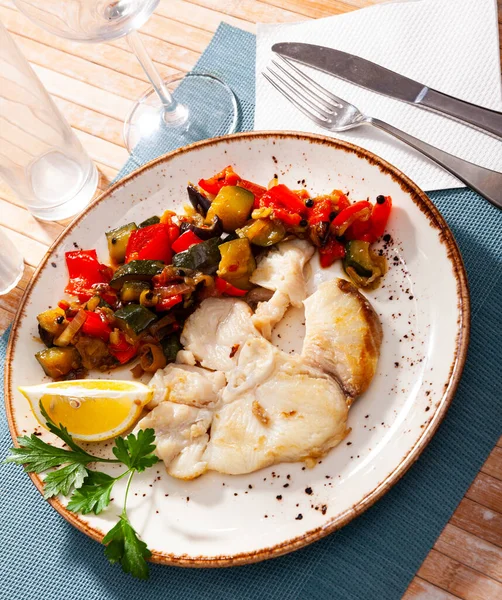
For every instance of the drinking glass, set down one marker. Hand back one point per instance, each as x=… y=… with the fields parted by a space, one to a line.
x=11 y=264
x=156 y=111
x=40 y=157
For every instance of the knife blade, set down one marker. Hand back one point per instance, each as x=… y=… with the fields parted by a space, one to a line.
x=376 y=78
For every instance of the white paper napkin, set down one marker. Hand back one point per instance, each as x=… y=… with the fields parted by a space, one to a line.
x=449 y=45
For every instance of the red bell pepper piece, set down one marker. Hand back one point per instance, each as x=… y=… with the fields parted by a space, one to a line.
x=331 y=252
x=257 y=190
x=85 y=271
x=185 y=240
x=223 y=287
x=380 y=216
x=320 y=212
x=123 y=351
x=282 y=197
x=150 y=243
x=95 y=326
x=341 y=202
x=358 y=211
x=167 y=303
x=214 y=184
x=374 y=227
x=289 y=219
x=173 y=233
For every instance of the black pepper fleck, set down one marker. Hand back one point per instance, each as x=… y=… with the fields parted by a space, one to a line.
x=309 y=491
x=299 y=517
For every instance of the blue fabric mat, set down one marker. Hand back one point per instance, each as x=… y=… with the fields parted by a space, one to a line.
x=375 y=556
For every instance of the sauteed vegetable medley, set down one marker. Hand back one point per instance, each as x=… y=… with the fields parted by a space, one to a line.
x=162 y=268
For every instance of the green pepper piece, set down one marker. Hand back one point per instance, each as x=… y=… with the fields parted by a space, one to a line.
x=117 y=241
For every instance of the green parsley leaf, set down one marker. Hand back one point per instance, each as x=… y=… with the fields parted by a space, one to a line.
x=93 y=495
x=62 y=480
x=136 y=451
x=124 y=546
x=37 y=456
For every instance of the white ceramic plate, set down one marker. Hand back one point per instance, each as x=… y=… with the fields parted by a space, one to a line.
x=218 y=520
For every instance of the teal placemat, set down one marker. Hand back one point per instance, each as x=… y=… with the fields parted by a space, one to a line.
x=375 y=556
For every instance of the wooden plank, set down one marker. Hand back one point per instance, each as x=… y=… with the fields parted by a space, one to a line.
x=82 y=93
x=32 y=251
x=471 y=551
x=167 y=30
x=319 y=8
x=20 y=220
x=113 y=58
x=458 y=579
x=199 y=16
x=486 y=490
x=478 y=520
x=250 y=10
x=493 y=464
x=419 y=589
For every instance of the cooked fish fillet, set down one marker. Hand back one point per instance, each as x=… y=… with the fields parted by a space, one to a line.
x=281 y=269
x=343 y=335
x=181 y=437
x=269 y=313
x=186 y=384
x=276 y=409
x=216 y=330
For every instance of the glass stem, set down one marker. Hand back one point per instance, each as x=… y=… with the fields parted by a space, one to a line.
x=171 y=107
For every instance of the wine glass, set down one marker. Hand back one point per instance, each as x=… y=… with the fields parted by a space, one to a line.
x=157 y=111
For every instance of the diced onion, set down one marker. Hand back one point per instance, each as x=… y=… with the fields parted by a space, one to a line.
x=72 y=329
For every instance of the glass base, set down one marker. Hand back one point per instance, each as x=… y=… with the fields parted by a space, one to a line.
x=74 y=205
x=206 y=108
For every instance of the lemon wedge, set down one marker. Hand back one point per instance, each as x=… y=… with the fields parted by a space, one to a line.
x=92 y=410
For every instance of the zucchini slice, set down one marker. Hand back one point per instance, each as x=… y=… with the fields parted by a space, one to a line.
x=357 y=256
x=136 y=270
x=151 y=221
x=204 y=257
x=133 y=319
x=57 y=362
x=117 y=241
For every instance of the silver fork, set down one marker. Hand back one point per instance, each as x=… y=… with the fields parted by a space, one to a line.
x=334 y=113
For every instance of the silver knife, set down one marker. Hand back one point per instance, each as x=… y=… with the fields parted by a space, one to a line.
x=371 y=76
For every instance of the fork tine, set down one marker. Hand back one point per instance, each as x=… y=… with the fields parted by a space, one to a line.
x=318 y=99
x=292 y=99
x=340 y=101
x=321 y=112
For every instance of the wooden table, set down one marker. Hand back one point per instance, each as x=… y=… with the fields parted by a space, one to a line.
x=94 y=85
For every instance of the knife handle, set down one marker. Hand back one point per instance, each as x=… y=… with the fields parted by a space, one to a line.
x=483 y=118
x=486 y=182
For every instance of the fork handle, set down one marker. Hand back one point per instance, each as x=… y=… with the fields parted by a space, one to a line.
x=486 y=182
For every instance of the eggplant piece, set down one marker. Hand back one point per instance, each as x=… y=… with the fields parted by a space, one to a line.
x=319 y=233
x=198 y=200
x=206 y=233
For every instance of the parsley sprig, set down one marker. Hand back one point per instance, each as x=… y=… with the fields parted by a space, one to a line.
x=91 y=490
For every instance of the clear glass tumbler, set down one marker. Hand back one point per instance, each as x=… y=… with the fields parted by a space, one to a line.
x=11 y=264
x=186 y=117
x=40 y=157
